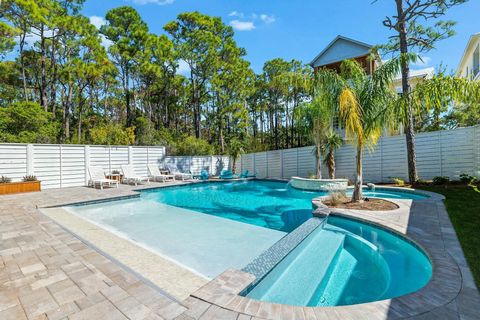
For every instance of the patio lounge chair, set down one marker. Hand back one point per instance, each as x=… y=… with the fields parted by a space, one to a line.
x=204 y=175
x=177 y=173
x=155 y=174
x=97 y=177
x=129 y=175
x=246 y=174
x=228 y=174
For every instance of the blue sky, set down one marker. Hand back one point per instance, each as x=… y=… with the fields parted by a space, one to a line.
x=298 y=29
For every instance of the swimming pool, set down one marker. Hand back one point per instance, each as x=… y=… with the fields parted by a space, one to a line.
x=345 y=262
x=270 y=204
x=199 y=225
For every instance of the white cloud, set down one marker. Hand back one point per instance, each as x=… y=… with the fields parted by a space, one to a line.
x=97 y=21
x=243 y=22
x=423 y=62
x=236 y=14
x=242 y=25
x=183 y=68
x=159 y=2
x=105 y=42
x=267 y=18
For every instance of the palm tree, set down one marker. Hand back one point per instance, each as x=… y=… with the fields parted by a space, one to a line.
x=332 y=142
x=235 y=150
x=365 y=107
x=316 y=117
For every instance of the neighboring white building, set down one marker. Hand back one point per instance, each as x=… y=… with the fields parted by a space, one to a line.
x=469 y=66
x=415 y=77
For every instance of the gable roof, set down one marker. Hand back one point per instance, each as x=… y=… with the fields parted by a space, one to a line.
x=471 y=41
x=341 y=48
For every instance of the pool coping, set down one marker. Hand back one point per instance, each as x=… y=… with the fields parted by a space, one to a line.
x=443 y=288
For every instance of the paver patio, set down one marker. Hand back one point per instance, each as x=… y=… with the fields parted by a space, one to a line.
x=47 y=273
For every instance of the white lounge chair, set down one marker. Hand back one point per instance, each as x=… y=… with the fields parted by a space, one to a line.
x=130 y=176
x=97 y=177
x=177 y=173
x=155 y=174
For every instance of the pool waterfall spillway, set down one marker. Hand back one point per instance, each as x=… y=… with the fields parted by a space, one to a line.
x=327 y=185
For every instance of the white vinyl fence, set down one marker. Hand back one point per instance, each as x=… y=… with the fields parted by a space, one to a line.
x=59 y=166
x=212 y=164
x=441 y=153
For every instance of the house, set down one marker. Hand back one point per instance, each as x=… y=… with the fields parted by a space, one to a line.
x=343 y=48
x=415 y=77
x=469 y=67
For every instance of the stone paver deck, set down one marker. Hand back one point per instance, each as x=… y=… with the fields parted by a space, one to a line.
x=47 y=273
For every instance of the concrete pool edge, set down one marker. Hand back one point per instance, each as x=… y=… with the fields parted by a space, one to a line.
x=155 y=269
x=447 y=281
x=465 y=304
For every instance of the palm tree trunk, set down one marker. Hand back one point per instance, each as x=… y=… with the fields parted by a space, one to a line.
x=331 y=165
x=318 y=156
x=357 y=192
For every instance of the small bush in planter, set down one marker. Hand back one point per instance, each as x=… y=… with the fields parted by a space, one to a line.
x=439 y=180
x=4 y=179
x=29 y=178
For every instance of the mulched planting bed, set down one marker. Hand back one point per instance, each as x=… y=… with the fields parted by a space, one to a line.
x=371 y=204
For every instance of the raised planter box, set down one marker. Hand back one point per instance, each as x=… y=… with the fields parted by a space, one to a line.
x=319 y=184
x=19 y=187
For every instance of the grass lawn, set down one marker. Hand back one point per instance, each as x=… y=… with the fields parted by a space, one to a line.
x=463 y=206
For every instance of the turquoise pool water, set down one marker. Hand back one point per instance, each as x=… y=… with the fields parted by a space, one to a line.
x=266 y=204
x=345 y=262
x=269 y=204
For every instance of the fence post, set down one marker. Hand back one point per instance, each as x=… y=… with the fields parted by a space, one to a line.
x=109 y=159
x=61 y=167
x=130 y=155
x=30 y=160
x=281 y=164
x=86 y=153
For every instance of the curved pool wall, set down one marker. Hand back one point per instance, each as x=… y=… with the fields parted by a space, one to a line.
x=327 y=185
x=345 y=262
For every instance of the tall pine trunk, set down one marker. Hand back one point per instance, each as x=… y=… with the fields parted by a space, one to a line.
x=409 y=130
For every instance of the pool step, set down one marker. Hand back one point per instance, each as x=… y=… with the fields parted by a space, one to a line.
x=297 y=277
x=331 y=289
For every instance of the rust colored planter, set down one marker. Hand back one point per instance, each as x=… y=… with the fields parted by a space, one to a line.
x=18 y=187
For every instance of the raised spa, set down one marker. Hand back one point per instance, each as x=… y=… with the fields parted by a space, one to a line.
x=345 y=262
x=325 y=185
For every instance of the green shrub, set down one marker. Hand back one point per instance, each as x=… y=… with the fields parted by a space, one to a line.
x=112 y=134
x=4 y=179
x=191 y=146
x=439 y=180
x=27 y=122
x=466 y=178
x=29 y=178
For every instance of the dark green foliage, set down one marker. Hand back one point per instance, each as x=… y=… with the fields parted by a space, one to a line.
x=4 y=179
x=29 y=178
x=27 y=122
x=439 y=180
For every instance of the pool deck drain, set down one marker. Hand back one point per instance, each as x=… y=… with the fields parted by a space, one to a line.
x=46 y=272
